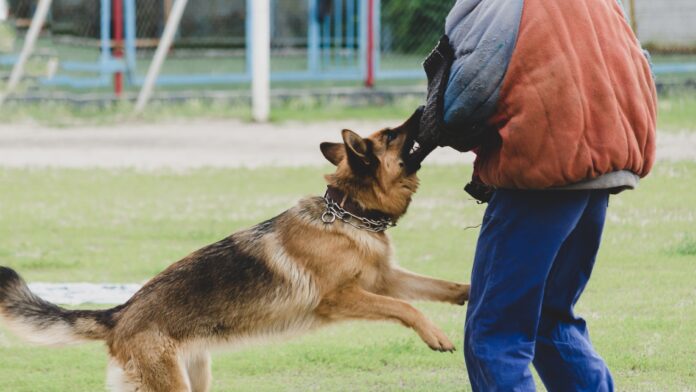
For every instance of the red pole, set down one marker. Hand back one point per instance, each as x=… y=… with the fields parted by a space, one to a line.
x=370 y=57
x=118 y=43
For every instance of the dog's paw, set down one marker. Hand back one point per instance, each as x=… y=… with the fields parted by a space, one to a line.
x=461 y=294
x=437 y=340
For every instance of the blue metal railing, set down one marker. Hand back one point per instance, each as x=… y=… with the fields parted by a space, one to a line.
x=107 y=64
x=331 y=49
x=336 y=50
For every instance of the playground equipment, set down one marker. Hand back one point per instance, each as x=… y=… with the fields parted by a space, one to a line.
x=111 y=63
x=337 y=41
x=111 y=66
x=341 y=45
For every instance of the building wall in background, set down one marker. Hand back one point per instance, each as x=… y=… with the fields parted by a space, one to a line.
x=666 y=23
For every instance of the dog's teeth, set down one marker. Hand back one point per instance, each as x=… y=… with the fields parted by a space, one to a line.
x=414 y=149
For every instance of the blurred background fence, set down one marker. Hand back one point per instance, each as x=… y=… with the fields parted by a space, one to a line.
x=97 y=49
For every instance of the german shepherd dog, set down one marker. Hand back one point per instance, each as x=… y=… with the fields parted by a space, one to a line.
x=324 y=260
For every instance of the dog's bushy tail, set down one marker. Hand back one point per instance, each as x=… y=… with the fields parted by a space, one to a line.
x=42 y=322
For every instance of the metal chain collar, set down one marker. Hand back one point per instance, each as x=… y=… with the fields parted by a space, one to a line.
x=334 y=211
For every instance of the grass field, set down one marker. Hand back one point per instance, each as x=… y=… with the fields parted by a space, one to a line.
x=125 y=226
x=676 y=112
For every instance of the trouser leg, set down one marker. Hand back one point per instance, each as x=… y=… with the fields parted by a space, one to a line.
x=564 y=356
x=520 y=237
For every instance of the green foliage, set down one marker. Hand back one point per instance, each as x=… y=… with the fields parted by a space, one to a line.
x=687 y=247
x=413 y=26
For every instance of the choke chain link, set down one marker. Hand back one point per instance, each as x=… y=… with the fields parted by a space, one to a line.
x=334 y=211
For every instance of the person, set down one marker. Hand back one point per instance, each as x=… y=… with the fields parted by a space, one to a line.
x=557 y=100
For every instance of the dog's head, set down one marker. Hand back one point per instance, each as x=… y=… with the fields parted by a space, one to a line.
x=379 y=172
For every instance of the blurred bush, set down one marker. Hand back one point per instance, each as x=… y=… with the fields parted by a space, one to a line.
x=413 y=26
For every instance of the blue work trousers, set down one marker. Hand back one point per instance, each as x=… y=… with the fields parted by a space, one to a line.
x=534 y=256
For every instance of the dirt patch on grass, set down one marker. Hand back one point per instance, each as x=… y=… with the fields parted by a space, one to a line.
x=213 y=143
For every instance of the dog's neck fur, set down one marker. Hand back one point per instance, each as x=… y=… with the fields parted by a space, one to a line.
x=353 y=207
x=374 y=197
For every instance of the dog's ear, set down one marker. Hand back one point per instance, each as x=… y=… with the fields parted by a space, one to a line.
x=359 y=151
x=333 y=152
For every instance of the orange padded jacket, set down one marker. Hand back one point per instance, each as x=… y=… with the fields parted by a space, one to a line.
x=577 y=100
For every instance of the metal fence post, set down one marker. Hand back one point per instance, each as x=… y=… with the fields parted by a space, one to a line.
x=362 y=37
x=326 y=40
x=261 y=60
x=377 y=37
x=105 y=34
x=338 y=30
x=370 y=55
x=160 y=54
x=313 y=36
x=350 y=29
x=632 y=12
x=37 y=22
x=248 y=44
x=118 y=44
x=130 y=43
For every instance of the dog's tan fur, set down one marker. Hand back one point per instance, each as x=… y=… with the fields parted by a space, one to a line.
x=287 y=275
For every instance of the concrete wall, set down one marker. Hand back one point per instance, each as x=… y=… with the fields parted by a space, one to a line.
x=666 y=22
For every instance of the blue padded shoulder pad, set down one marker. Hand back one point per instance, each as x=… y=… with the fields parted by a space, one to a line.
x=483 y=34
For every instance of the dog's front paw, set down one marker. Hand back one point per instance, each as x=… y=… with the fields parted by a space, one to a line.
x=436 y=339
x=460 y=293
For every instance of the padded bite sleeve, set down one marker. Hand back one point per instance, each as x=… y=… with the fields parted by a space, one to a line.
x=483 y=35
x=437 y=68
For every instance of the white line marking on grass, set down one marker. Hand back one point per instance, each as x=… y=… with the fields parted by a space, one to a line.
x=84 y=293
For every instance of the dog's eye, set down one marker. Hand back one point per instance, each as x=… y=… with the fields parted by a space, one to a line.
x=391 y=136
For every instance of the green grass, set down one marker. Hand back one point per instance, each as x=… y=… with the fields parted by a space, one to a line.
x=125 y=226
x=677 y=113
x=307 y=110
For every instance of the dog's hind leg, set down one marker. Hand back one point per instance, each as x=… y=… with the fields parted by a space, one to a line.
x=149 y=362
x=198 y=369
x=162 y=374
x=117 y=380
